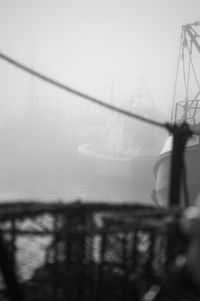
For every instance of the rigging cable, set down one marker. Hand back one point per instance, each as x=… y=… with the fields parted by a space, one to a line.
x=81 y=94
x=189 y=68
x=184 y=77
x=197 y=82
x=195 y=75
x=176 y=79
x=194 y=71
x=185 y=43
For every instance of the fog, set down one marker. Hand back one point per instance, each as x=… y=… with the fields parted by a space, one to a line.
x=55 y=145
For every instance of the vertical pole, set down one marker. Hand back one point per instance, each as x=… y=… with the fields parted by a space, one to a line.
x=181 y=133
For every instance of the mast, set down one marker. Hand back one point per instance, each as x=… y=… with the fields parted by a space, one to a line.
x=188 y=44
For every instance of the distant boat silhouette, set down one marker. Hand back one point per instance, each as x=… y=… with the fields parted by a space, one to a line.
x=126 y=148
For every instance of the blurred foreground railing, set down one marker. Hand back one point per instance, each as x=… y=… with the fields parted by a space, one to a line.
x=89 y=251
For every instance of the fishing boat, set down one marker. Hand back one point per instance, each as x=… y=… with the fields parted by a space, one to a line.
x=186 y=108
x=126 y=149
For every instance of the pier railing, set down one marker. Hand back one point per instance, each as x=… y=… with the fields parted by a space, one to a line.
x=89 y=251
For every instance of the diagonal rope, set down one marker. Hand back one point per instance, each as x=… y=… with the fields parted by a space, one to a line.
x=81 y=94
x=195 y=74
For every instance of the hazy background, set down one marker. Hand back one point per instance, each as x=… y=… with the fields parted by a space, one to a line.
x=100 y=47
x=84 y=42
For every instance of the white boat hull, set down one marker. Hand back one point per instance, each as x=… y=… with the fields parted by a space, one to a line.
x=162 y=173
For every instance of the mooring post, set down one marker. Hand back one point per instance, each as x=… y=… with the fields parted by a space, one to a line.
x=181 y=133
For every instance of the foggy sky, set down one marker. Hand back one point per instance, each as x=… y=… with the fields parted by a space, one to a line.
x=84 y=42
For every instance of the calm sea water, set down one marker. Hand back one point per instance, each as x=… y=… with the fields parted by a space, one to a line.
x=95 y=189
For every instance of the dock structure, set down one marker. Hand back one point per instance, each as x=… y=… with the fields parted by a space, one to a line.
x=88 y=251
